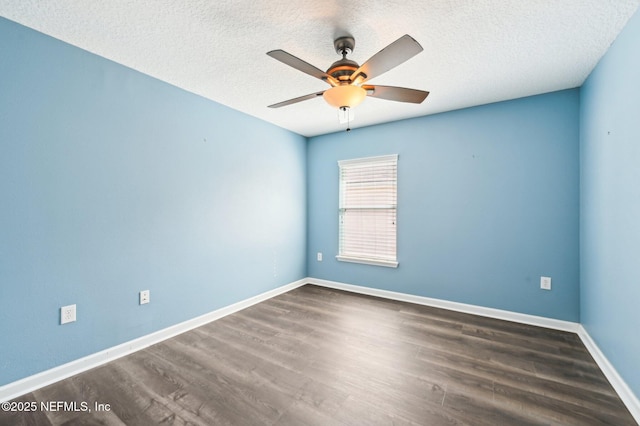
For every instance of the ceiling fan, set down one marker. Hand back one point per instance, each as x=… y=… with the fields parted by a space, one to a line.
x=346 y=77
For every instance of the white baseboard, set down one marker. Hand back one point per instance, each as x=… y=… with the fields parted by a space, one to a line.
x=454 y=306
x=39 y=380
x=624 y=392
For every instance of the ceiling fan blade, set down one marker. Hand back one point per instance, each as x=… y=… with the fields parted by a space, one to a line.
x=391 y=56
x=399 y=94
x=300 y=65
x=296 y=100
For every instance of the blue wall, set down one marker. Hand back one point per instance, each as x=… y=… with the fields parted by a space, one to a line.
x=610 y=204
x=488 y=202
x=112 y=182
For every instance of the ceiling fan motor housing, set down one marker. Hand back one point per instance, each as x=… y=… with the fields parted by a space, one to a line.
x=342 y=69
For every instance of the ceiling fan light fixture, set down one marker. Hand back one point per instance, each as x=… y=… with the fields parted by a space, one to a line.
x=344 y=96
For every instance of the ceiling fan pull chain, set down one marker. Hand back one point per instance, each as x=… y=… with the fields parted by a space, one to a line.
x=346 y=109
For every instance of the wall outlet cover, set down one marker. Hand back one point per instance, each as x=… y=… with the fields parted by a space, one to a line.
x=145 y=297
x=545 y=283
x=67 y=314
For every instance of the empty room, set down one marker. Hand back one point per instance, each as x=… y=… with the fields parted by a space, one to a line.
x=319 y=213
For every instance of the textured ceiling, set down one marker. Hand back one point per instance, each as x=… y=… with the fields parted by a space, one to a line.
x=475 y=51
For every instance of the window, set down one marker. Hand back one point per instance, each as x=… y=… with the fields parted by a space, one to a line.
x=367 y=210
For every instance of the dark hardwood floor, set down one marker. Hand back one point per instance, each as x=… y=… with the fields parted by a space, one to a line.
x=316 y=356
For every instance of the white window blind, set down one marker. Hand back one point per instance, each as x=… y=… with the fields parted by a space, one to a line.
x=367 y=210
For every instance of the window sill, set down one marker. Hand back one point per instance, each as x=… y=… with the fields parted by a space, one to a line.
x=365 y=261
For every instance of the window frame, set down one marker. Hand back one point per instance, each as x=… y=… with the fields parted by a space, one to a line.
x=368 y=258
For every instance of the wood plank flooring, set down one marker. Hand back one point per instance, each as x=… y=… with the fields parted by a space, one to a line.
x=317 y=356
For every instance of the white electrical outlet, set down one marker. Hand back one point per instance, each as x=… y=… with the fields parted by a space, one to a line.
x=144 y=297
x=319 y=257
x=545 y=283
x=67 y=314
